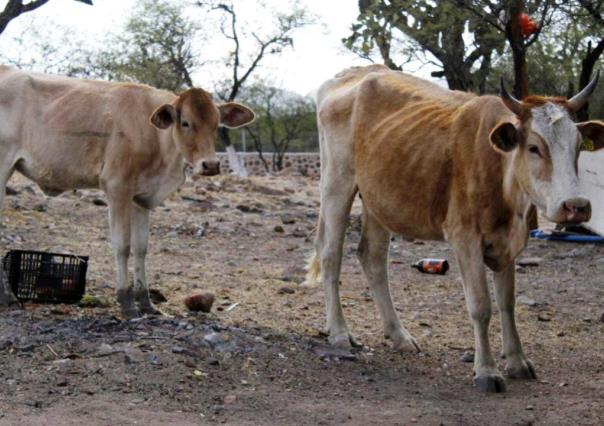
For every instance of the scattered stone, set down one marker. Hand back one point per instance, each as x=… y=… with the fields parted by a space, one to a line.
x=90 y=301
x=248 y=209
x=544 y=317
x=214 y=339
x=157 y=296
x=99 y=202
x=200 y=302
x=299 y=233
x=279 y=229
x=602 y=318
x=577 y=252
x=40 y=207
x=133 y=356
x=525 y=300
x=213 y=361
x=286 y=290
x=105 y=349
x=467 y=356
x=178 y=349
x=529 y=261
x=530 y=407
x=230 y=399
x=28 y=347
x=287 y=219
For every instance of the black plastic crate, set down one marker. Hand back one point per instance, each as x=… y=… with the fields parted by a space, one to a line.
x=46 y=277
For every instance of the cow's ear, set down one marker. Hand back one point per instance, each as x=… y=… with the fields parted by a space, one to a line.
x=235 y=115
x=164 y=116
x=594 y=131
x=505 y=137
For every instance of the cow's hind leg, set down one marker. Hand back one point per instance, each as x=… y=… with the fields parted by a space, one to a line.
x=337 y=194
x=478 y=300
x=373 y=255
x=7 y=167
x=518 y=366
x=120 y=217
x=139 y=240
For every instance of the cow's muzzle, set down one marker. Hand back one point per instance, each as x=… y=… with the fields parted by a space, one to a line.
x=210 y=168
x=576 y=210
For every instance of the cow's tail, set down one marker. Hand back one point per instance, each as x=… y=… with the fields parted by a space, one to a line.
x=313 y=270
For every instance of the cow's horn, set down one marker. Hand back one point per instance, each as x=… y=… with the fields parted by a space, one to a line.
x=576 y=102
x=510 y=102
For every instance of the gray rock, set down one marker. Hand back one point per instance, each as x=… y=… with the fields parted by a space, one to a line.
x=40 y=207
x=106 y=349
x=525 y=300
x=467 y=356
x=287 y=219
x=99 y=202
x=529 y=261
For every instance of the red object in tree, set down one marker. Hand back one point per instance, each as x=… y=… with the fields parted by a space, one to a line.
x=527 y=25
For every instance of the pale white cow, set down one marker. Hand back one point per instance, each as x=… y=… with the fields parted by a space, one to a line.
x=436 y=164
x=132 y=141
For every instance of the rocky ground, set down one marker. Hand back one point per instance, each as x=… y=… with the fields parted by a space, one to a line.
x=260 y=356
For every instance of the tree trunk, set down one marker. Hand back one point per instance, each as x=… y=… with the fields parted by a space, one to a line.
x=514 y=36
x=235 y=160
x=587 y=68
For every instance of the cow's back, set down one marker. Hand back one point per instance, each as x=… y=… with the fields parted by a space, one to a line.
x=397 y=128
x=69 y=129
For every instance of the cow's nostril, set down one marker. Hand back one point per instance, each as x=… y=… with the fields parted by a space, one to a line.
x=204 y=166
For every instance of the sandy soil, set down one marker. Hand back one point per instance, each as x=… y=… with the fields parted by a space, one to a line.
x=265 y=361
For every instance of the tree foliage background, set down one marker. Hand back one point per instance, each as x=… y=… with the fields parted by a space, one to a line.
x=470 y=44
x=475 y=42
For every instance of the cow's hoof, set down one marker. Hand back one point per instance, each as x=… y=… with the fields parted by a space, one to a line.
x=490 y=384
x=150 y=310
x=523 y=371
x=130 y=312
x=404 y=342
x=7 y=300
x=343 y=341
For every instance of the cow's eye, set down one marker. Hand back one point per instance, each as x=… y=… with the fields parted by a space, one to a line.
x=534 y=149
x=185 y=124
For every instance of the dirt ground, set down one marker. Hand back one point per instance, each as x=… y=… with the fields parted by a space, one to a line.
x=261 y=356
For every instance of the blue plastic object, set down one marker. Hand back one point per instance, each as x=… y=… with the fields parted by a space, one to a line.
x=568 y=237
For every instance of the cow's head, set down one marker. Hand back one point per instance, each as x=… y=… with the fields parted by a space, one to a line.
x=544 y=143
x=193 y=118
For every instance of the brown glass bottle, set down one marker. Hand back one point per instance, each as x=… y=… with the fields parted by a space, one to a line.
x=432 y=266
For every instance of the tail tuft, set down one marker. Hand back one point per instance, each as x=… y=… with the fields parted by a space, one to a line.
x=313 y=271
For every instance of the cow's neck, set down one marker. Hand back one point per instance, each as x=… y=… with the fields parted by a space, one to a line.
x=170 y=173
x=515 y=193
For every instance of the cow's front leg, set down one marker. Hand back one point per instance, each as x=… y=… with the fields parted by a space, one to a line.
x=518 y=366
x=120 y=216
x=470 y=259
x=139 y=240
x=336 y=201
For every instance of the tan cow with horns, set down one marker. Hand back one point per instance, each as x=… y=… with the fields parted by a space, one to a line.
x=132 y=141
x=436 y=164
